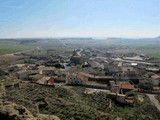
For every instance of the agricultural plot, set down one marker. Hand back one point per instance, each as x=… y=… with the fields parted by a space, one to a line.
x=150 y=48
x=154 y=55
x=6 y=48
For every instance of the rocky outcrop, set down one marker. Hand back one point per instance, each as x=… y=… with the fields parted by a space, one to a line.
x=2 y=90
x=11 y=111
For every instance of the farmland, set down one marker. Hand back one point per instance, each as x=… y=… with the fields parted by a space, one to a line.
x=154 y=55
x=7 y=48
x=150 y=48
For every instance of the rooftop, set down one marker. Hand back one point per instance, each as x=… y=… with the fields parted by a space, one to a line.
x=126 y=86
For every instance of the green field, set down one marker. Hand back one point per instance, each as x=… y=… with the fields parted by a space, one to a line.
x=154 y=55
x=7 y=48
x=150 y=48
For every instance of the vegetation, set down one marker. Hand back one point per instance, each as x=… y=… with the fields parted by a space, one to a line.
x=44 y=111
x=78 y=67
x=150 y=48
x=154 y=55
x=7 y=48
x=2 y=72
x=122 y=112
x=72 y=103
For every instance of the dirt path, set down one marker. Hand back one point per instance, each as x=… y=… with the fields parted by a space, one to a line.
x=154 y=100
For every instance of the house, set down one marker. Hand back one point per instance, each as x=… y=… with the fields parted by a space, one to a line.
x=96 y=65
x=103 y=79
x=77 y=60
x=82 y=78
x=155 y=82
x=46 y=81
x=32 y=67
x=48 y=71
x=23 y=74
x=126 y=87
x=128 y=74
x=50 y=81
x=123 y=93
x=74 y=79
x=145 y=84
x=112 y=69
x=125 y=69
x=34 y=78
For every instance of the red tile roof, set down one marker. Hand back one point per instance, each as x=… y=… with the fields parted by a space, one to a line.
x=127 y=86
x=51 y=81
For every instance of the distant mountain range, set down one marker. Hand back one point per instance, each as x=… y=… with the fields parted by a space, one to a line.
x=113 y=39
x=85 y=38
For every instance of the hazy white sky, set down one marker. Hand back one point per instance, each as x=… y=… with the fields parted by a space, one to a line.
x=79 y=18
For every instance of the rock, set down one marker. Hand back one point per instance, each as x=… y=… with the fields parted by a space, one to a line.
x=2 y=90
x=12 y=111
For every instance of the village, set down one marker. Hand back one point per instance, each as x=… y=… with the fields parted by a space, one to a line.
x=119 y=76
x=76 y=81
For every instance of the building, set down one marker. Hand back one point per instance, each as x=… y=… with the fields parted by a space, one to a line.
x=48 y=71
x=23 y=74
x=75 y=79
x=82 y=78
x=50 y=81
x=46 y=81
x=128 y=74
x=123 y=93
x=112 y=69
x=155 y=82
x=126 y=87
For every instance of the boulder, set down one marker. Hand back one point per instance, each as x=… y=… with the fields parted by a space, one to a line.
x=12 y=111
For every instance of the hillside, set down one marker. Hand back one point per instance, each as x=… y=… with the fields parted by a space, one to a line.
x=74 y=103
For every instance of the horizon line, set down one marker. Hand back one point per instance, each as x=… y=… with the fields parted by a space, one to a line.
x=93 y=37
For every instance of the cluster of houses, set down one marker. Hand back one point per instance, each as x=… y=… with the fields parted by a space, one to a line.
x=37 y=74
x=96 y=69
x=121 y=75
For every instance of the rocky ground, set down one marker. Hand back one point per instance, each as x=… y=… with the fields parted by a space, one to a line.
x=71 y=103
x=12 y=111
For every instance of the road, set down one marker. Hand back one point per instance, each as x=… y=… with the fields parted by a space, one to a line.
x=154 y=100
x=131 y=61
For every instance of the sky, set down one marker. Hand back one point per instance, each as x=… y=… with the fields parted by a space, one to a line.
x=79 y=18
